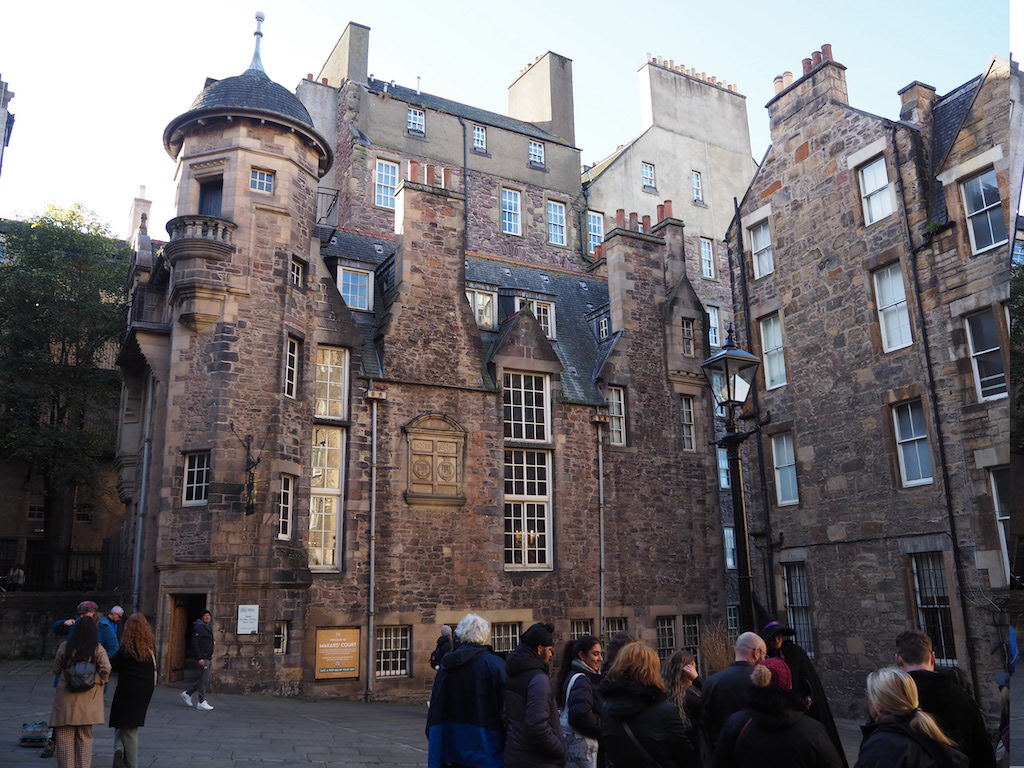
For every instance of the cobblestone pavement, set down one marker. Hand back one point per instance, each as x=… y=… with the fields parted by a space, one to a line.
x=244 y=731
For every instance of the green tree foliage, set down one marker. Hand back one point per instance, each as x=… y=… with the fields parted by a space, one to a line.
x=62 y=281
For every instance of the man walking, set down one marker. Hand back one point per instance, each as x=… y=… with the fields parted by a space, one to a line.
x=954 y=710
x=464 y=722
x=107 y=628
x=725 y=692
x=202 y=649
x=534 y=735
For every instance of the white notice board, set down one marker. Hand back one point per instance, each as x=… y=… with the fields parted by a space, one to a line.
x=248 y=619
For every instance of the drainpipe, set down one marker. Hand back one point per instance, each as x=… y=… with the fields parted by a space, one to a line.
x=373 y=395
x=465 y=186
x=140 y=510
x=600 y=419
x=933 y=397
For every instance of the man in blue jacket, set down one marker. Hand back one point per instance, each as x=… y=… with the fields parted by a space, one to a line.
x=464 y=722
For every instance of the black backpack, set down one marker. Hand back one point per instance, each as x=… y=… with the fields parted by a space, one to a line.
x=80 y=676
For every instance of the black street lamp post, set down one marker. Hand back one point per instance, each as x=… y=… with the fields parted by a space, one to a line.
x=731 y=374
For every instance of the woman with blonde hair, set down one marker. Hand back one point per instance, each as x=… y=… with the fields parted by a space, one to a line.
x=640 y=727
x=135 y=665
x=900 y=735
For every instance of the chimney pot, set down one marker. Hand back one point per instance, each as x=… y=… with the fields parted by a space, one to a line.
x=713 y=80
x=778 y=83
x=414 y=171
x=787 y=79
x=671 y=63
x=806 y=65
x=826 y=51
x=430 y=176
x=633 y=221
x=668 y=209
x=816 y=58
x=620 y=218
x=598 y=251
x=661 y=212
x=647 y=224
x=309 y=76
x=323 y=80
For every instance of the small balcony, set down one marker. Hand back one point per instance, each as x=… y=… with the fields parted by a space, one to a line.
x=208 y=237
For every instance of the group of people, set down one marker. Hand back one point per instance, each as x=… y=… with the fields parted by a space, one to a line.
x=622 y=707
x=91 y=652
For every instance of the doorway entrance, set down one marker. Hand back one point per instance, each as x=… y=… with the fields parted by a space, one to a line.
x=183 y=611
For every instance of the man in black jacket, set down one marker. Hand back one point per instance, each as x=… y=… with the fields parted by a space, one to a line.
x=202 y=649
x=954 y=710
x=533 y=736
x=725 y=692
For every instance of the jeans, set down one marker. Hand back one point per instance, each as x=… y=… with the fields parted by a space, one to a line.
x=200 y=685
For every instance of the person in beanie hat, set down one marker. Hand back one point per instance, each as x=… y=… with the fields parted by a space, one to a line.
x=533 y=735
x=773 y=731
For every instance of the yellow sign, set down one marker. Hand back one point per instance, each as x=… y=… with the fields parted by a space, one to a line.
x=337 y=654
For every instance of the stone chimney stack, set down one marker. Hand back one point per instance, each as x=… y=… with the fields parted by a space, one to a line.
x=916 y=101
x=822 y=79
x=542 y=94
x=349 y=59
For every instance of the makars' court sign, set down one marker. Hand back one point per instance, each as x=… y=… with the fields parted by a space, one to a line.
x=337 y=654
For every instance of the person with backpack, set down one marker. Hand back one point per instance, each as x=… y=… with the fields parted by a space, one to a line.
x=579 y=700
x=135 y=665
x=83 y=667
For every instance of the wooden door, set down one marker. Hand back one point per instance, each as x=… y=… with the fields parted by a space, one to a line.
x=177 y=631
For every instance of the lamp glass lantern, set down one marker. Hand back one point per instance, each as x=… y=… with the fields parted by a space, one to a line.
x=730 y=373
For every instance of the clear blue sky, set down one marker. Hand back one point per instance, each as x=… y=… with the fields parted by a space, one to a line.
x=96 y=85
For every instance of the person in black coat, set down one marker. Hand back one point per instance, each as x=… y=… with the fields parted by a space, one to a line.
x=901 y=735
x=580 y=700
x=445 y=644
x=135 y=666
x=683 y=686
x=725 y=692
x=533 y=735
x=640 y=727
x=773 y=731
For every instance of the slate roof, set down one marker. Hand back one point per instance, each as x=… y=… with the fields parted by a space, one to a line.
x=429 y=101
x=252 y=90
x=575 y=297
x=948 y=114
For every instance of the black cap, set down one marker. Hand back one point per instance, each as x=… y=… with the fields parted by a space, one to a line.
x=540 y=633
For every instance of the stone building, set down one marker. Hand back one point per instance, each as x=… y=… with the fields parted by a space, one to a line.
x=873 y=283
x=378 y=378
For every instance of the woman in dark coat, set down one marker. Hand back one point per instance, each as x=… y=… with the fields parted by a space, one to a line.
x=683 y=688
x=135 y=665
x=774 y=731
x=900 y=735
x=640 y=727
x=580 y=701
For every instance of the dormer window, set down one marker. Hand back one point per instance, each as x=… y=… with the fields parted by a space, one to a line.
x=415 y=122
x=544 y=311
x=604 y=328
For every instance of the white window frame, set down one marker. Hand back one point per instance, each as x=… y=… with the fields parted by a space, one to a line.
x=544 y=311
x=613 y=624
x=296 y=273
x=511 y=212
x=523 y=394
x=385 y=183
x=485 y=307
x=913 y=442
x=982 y=384
x=286 y=507
x=773 y=350
x=261 y=180
x=697 y=186
x=687 y=423
x=393 y=651
x=536 y=153
x=416 y=122
x=647 y=176
x=292 y=362
x=729 y=544
x=724 y=479
x=732 y=621
x=933 y=602
x=1001 y=508
x=876 y=194
x=556 y=223
x=714 y=327
x=580 y=627
x=354 y=299
x=762 y=255
x=689 y=345
x=504 y=637
x=707 y=258
x=987 y=210
x=665 y=636
x=891 y=301
x=327 y=499
x=617 y=415
x=604 y=328
x=280 y=638
x=479 y=138
x=527 y=502
x=595 y=230
x=332 y=365
x=798 y=604
x=195 y=490
x=784 y=461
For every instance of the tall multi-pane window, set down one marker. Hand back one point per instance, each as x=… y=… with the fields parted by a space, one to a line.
x=1000 y=479
x=613 y=624
x=912 y=443
x=761 y=247
x=874 y=191
x=771 y=346
x=689 y=638
x=604 y=328
x=687 y=328
x=732 y=621
x=286 y=507
x=527 y=508
x=356 y=288
x=331 y=383
x=544 y=311
x=261 y=181
x=326 y=496
x=296 y=273
x=785 y=469
x=986 y=355
x=986 y=225
x=580 y=627
x=697 y=186
x=647 y=174
x=714 y=332
x=730 y=547
x=415 y=121
x=893 y=317
x=484 y=304
x=385 y=184
x=393 y=644
x=479 y=138
x=665 y=636
x=617 y=412
x=707 y=257
x=723 y=468
x=504 y=637
x=536 y=153
x=196 y=485
x=934 y=616
x=511 y=212
x=595 y=230
x=689 y=436
x=556 y=223
x=292 y=361
x=525 y=403
x=798 y=604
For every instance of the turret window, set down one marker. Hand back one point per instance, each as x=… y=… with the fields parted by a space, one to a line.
x=261 y=181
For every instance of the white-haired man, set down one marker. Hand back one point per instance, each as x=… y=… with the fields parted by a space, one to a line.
x=464 y=725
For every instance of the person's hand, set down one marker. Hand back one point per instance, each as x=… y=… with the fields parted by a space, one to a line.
x=69 y=622
x=690 y=670
x=202 y=662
